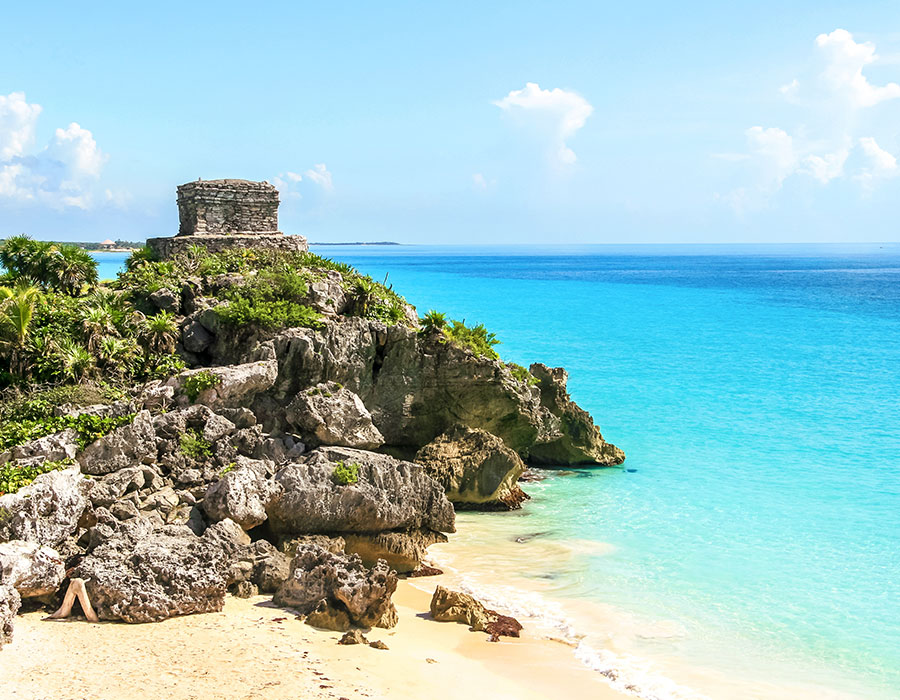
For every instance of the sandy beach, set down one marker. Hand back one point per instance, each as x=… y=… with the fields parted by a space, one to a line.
x=253 y=649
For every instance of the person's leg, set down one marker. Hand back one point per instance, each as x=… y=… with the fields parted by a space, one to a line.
x=76 y=590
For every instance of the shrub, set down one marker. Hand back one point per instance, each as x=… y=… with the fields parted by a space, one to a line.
x=432 y=322
x=194 y=445
x=522 y=374
x=346 y=474
x=271 y=315
x=476 y=339
x=14 y=476
x=88 y=427
x=196 y=384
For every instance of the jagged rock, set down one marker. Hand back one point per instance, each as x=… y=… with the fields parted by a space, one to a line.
x=390 y=495
x=169 y=427
x=327 y=295
x=576 y=440
x=425 y=570
x=417 y=387
x=195 y=338
x=51 y=448
x=166 y=300
x=353 y=637
x=137 y=573
x=378 y=644
x=156 y=395
x=453 y=606
x=271 y=568
x=341 y=582
x=331 y=414
x=242 y=495
x=334 y=544
x=244 y=589
x=237 y=384
x=328 y=617
x=117 y=484
x=403 y=551
x=124 y=510
x=475 y=468
x=126 y=446
x=46 y=511
x=10 y=602
x=33 y=570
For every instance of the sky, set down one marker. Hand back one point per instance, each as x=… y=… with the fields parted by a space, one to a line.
x=458 y=122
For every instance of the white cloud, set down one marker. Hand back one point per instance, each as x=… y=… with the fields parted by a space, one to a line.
x=481 y=183
x=826 y=167
x=320 y=175
x=881 y=164
x=774 y=150
x=562 y=112
x=293 y=177
x=790 y=89
x=63 y=174
x=843 y=73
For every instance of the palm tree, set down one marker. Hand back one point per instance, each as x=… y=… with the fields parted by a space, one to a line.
x=17 y=306
x=97 y=323
x=71 y=268
x=117 y=354
x=75 y=362
x=362 y=292
x=159 y=333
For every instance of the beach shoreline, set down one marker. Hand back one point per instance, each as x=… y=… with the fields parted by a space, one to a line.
x=254 y=649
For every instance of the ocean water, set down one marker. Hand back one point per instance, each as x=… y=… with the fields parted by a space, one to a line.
x=749 y=547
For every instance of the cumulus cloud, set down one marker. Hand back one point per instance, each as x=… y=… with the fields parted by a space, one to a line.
x=63 y=174
x=293 y=185
x=844 y=70
x=561 y=112
x=879 y=163
x=320 y=175
x=828 y=150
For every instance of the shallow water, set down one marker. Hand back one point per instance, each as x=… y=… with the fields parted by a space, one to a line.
x=749 y=545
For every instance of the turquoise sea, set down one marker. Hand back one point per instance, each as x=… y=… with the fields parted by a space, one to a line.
x=750 y=544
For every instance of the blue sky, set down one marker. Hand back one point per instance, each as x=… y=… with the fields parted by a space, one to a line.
x=460 y=122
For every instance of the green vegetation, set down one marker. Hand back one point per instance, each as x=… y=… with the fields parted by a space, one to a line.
x=59 y=267
x=522 y=374
x=477 y=339
x=196 y=384
x=88 y=427
x=194 y=445
x=14 y=476
x=433 y=322
x=346 y=474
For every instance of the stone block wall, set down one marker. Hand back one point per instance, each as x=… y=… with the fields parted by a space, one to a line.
x=227 y=207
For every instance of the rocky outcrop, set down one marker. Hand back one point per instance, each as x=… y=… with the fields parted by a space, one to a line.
x=241 y=495
x=417 y=387
x=453 y=606
x=331 y=414
x=389 y=495
x=575 y=439
x=332 y=588
x=46 y=511
x=137 y=573
x=126 y=446
x=32 y=569
x=403 y=551
x=475 y=468
x=9 y=608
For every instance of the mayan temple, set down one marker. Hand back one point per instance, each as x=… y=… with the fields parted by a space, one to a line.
x=221 y=214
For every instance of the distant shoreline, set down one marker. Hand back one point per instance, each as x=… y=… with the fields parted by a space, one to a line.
x=357 y=243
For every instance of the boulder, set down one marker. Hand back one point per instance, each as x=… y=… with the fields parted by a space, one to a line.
x=137 y=573
x=475 y=468
x=166 y=300
x=114 y=486
x=32 y=569
x=353 y=637
x=195 y=338
x=321 y=579
x=331 y=414
x=10 y=602
x=242 y=495
x=389 y=495
x=403 y=551
x=453 y=606
x=237 y=384
x=46 y=511
x=51 y=448
x=126 y=446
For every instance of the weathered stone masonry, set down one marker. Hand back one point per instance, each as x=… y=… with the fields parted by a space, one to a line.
x=222 y=214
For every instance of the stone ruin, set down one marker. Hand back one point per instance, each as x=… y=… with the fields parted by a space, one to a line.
x=222 y=214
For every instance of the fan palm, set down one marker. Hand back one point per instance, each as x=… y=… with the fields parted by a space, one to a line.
x=17 y=306
x=159 y=333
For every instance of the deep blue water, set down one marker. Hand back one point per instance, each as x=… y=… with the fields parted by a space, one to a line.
x=755 y=392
